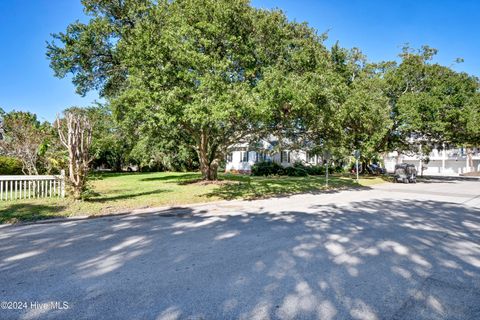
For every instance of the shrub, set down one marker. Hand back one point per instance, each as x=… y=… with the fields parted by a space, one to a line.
x=281 y=171
x=10 y=166
x=299 y=164
x=295 y=172
x=316 y=170
x=266 y=168
x=321 y=170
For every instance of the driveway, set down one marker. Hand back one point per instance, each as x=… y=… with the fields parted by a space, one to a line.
x=389 y=252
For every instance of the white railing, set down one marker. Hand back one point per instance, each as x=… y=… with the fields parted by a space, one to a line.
x=30 y=187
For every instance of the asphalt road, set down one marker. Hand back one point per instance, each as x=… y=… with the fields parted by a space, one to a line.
x=390 y=252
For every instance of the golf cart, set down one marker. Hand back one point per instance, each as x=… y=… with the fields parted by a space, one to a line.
x=406 y=173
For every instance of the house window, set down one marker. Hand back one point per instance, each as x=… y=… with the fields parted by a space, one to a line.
x=261 y=156
x=310 y=157
x=285 y=156
x=245 y=156
x=230 y=157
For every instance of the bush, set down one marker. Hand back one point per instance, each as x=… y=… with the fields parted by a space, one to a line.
x=281 y=171
x=316 y=170
x=300 y=167
x=266 y=168
x=299 y=164
x=295 y=172
x=338 y=169
x=10 y=166
x=311 y=170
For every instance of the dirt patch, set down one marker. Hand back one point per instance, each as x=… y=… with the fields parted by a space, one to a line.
x=202 y=182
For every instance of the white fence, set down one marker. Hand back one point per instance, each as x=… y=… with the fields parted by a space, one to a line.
x=28 y=187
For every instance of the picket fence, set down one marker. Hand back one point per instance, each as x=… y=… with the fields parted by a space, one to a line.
x=31 y=187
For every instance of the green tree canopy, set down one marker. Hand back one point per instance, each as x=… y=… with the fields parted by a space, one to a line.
x=428 y=101
x=204 y=75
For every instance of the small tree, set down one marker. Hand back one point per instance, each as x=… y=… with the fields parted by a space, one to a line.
x=22 y=137
x=75 y=132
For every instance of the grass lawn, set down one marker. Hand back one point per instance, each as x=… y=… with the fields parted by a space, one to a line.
x=122 y=192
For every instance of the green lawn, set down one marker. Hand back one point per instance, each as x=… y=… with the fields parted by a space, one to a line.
x=113 y=193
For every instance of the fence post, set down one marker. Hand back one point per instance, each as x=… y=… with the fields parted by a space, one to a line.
x=62 y=184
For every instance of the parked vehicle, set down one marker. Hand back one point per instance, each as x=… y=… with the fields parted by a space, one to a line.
x=375 y=169
x=130 y=168
x=406 y=173
x=369 y=168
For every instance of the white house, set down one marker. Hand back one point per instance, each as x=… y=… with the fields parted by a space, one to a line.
x=242 y=157
x=441 y=161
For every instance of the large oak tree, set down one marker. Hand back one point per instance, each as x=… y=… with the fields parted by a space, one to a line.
x=186 y=70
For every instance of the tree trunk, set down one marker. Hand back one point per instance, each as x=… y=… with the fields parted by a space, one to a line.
x=208 y=168
x=117 y=167
x=209 y=172
x=76 y=193
x=207 y=157
x=77 y=139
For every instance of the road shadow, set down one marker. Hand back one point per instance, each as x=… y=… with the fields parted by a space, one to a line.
x=373 y=259
x=262 y=189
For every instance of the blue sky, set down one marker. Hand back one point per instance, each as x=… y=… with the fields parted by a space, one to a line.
x=379 y=28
